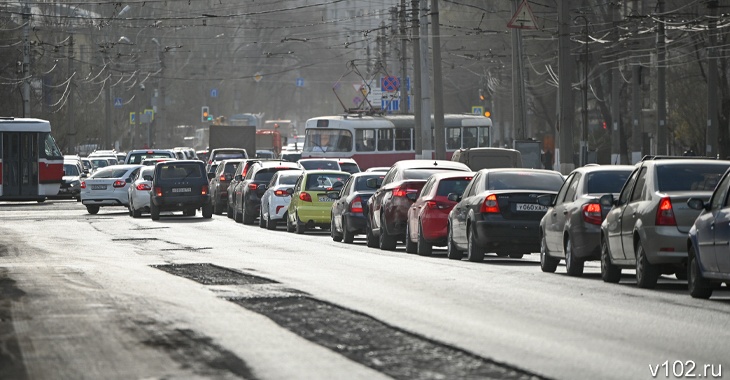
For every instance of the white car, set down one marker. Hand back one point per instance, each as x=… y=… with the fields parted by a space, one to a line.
x=139 y=191
x=107 y=187
x=275 y=200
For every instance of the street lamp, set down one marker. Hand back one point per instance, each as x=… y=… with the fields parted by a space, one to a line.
x=584 y=134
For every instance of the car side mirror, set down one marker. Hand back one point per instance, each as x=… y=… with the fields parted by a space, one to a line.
x=698 y=204
x=290 y=191
x=372 y=183
x=454 y=197
x=546 y=200
x=211 y=175
x=333 y=195
x=607 y=200
x=412 y=196
x=237 y=177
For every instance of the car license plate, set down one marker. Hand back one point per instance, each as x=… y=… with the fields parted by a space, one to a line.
x=530 y=207
x=181 y=190
x=326 y=199
x=98 y=187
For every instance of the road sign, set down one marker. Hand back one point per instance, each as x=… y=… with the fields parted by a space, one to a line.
x=389 y=84
x=118 y=103
x=523 y=18
x=151 y=114
x=132 y=118
x=214 y=93
x=300 y=82
x=477 y=110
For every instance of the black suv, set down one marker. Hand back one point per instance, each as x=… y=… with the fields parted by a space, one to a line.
x=219 y=182
x=249 y=191
x=180 y=186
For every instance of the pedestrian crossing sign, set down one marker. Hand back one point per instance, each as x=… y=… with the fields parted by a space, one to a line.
x=132 y=118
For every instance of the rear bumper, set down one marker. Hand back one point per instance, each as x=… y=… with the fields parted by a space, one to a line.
x=664 y=245
x=587 y=242
x=355 y=223
x=178 y=203
x=318 y=215
x=511 y=235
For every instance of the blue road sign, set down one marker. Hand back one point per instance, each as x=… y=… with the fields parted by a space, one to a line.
x=300 y=82
x=390 y=84
x=118 y=103
x=214 y=93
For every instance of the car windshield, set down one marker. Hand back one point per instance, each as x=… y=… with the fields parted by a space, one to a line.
x=110 y=173
x=324 y=181
x=178 y=171
x=523 y=181
x=70 y=169
x=606 y=182
x=319 y=165
x=349 y=167
x=423 y=173
x=228 y=155
x=687 y=177
x=452 y=185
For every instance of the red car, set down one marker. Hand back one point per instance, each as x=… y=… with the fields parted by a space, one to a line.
x=428 y=216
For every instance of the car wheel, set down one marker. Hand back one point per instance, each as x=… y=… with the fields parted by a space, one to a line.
x=207 y=211
x=336 y=236
x=247 y=219
x=129 y=208
x=93 y=210
x=372 y=241
x=423 y=248
x=78 y=199
x=270 y=224
x=154 y=211
x=347 y=236
x=229 y=211
x=298 y=226
x=573 y=265
x=548 y=263
x=474 y=252
x=237 y=216
x=609 y=271
x=289 y=225
x=262 y=221
x=698 y=286
x=218 y=208
x=411 y=246
x=386 y=242
x=136 y=213
x=452 y=252
x=646 y=273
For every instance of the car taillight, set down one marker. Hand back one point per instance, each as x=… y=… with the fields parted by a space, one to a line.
x=280 y=193
x=665 y=213
x=356 y=205
x=204 y=190
x=438 y=205
x=403 y=191
x=119 y=183
x=253 y=186
x=223 y=177
x=490 y=204
x=305 y=197
x=83 y=184
x=143 y=186
x=592 y=213
x=158 y=191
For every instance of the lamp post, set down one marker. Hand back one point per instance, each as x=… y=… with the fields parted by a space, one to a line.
x=584 y=130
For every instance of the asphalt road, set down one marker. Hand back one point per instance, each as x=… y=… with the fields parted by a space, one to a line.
x=106 y=296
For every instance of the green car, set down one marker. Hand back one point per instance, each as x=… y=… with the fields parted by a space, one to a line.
x=310 y=204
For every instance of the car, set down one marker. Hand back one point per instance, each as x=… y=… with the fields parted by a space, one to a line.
x=387 y=215
x=155 y=160
x=187 y=153
x=99 y=162
x=708 y=261
x=120 y=156
x=218 y=184
x=291 y=156
x=180 y=186
x=499 y=213
x=350 y=206
x=73 y=174
x=571 y=227
x=487 y=158
x=202 y=155
x=107 y=187
x=220 y=154
x=428 y=215
x=111 y=156
x=238 y=176
x=310 y=204
x=275 y=201
x=249 y=191
x=139 y=191
x=139 y=155
x=348 y=165
x=86 y=164
x=648 y=224
x=265 y=154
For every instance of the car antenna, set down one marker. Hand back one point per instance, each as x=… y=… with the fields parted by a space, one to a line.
x=435 y=163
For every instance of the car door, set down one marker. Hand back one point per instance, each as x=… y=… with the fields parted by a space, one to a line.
x=555 y=218
x=376 y=201
x=613 y=219
x=630 y=214
x=414 y=212
x=340 y=205
x=294 y=203
x=721 y=237
x=461 y=210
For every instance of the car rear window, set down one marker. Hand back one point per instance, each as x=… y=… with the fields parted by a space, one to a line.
x=180 y=171
x=137 y=158
x=452 y=185
x=523 y=181
x=349 y=167
x=606 y=182
x=288 y=179
x=69 y=169
x=687 y=177
x=230 y=167
x=228 y=156
x=100 y=163
x=110 y=173
x=361 y=183
x=324 y=181
x=320 y=165
x=423 y=173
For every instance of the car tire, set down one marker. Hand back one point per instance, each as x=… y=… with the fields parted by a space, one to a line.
x=299 y=227
x=609 y=272
x=189 y=212
x=370 y=238
x=289 y=225
x=474 y=252
x=697 y=285
x=682 y=274
x=411 y=246
x=548 y=264
x=218 y=208
x=78 y=199
x=91 y=209
x=270 y=224
x=386 y=242
x=336 y=236
x=262 y=221
x=129 y=208
x=347 y=236
x=423 y=248
x=207 y=211
x=136 y=213
x=247 y=219
x=238 y=217
x=154 y=211
x=229 y=211
x=646 y=273
x=452 y=252
x=573 y=265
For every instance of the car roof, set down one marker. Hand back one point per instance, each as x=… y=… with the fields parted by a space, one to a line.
x=451 y=174
x=518 y=170
x=603 y=168
x=315 y=172
x=422 y=164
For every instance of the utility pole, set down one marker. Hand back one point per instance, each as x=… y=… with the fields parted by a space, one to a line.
x=565 y=153
x=426 y=127
x=71 y=112
x=661 y=83
x=583 y=159
x=439 y=142
x=519 y=105
x=615 y=92
x=26 y=59
x=403 y=88
x=637 y=128
x=713 y=122
x=415 y=37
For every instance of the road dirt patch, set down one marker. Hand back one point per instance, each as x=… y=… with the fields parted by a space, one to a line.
x=209 y=274
x=11 y=358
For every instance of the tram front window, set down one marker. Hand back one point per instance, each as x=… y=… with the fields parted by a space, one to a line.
x=49 y=146
x=327 y=140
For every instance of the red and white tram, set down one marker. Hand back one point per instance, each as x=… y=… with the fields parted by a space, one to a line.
x=384 y=140
x=31 y=165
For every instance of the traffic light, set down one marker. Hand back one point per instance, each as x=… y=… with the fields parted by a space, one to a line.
x=204 y=114
x=482 y=97
x=488 y=113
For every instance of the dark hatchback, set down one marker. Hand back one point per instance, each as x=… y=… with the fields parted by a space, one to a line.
x=351 y=206
x=180 y=186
